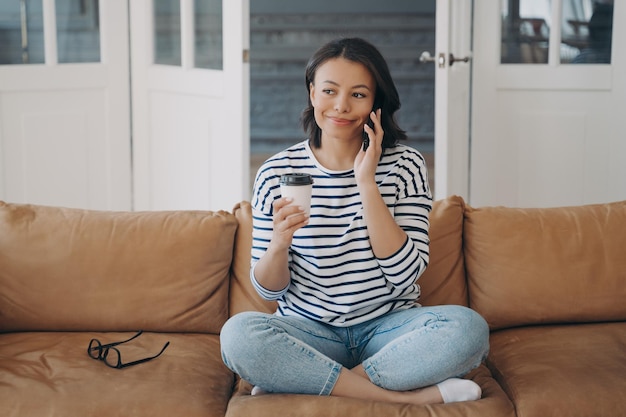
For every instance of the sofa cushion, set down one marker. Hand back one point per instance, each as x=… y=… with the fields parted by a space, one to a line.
x=69 y=269
x=443 y=282
x=50 y=374
x=570 y=370
x=547 y=265
x=494 y=403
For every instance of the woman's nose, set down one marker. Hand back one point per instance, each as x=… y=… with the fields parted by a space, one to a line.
x=341 y=104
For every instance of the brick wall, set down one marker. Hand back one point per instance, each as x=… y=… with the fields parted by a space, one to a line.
x=281 y=44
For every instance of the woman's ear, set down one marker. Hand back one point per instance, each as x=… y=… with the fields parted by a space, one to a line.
x=311 y=92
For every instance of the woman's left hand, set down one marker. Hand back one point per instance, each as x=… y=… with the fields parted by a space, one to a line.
x=366 y=161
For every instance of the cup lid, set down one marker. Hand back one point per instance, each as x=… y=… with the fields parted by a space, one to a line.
x=296 y=178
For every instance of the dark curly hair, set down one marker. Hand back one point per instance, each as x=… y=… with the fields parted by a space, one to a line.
x=386 y=97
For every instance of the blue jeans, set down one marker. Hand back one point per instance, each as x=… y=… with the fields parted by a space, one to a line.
x=400 y=351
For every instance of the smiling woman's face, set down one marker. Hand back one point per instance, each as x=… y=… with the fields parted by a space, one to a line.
x=342 y=95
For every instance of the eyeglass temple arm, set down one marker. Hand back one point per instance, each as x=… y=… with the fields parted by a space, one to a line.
x=146 y=359
x=108 y=345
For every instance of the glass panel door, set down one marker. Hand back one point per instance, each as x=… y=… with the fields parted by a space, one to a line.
x=78 y=30
x=21 y=32
x=571 y=31
x=587 y=32
x=190 y=113
x=525 y=31
x=64 y=103
x=208 y=34
x=195 y=26
x=167 y=36
x=22 y=25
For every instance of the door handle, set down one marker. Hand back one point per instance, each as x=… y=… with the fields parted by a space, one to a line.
x=453 y=59
x=441 y=59
x=427 y=57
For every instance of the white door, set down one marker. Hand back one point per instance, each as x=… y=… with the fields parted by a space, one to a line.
x=545 y=132
x=65 y=125
x=190 y=114
x=452 y=97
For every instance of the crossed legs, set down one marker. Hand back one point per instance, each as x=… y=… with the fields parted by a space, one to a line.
x=410 y=357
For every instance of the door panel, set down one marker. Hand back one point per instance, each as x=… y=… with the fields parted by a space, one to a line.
x=185 y=157
x=190 y=123
x=54 y=152
x=65 y=128
x=546 y=134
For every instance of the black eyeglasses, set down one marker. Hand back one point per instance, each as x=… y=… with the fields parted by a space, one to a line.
x=112 y=357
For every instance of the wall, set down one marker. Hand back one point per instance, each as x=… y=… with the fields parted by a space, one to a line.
x=283 y=38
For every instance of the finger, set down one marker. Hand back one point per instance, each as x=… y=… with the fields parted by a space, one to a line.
x=375 y=117
x=378 y=123
x=371 y=138
x=281 y=202
x=291 y=210
x=292 y=223
x=376 y=133
x=296 y=221
x=286 y=213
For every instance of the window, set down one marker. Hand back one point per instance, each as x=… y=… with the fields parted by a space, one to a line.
x=22 y=32
x=580 y=31
x=206 y=32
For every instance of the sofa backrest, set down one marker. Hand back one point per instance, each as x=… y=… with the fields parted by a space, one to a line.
x=443 y=282
x=243 y=296
x=552 y=265
x=67 y=269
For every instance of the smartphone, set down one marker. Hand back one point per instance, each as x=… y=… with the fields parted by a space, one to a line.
x=366 y=137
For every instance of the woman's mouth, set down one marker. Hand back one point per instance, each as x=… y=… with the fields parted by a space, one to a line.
x=340 y=122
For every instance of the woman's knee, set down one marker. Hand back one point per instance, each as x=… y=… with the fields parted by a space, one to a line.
x=238 y=336
x=473 y=327
x=469 y=325
x=477 y=324
x=468 y=318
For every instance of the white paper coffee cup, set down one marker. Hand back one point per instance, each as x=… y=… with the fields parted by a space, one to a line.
x=297 y=186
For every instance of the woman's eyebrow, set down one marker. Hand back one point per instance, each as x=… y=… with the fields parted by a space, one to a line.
x=354 y=86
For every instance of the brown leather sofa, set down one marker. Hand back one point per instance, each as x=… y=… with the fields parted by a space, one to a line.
x=550 y=282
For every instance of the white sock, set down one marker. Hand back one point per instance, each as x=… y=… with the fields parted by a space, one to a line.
x=257 y=391
x=456 y=389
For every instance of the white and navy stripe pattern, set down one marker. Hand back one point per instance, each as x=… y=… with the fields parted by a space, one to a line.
x=335 y=277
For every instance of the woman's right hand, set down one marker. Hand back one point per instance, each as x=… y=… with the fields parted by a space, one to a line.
x=272 y=270
x=287 y=219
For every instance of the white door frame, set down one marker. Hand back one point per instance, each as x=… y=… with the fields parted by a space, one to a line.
x=452 y=97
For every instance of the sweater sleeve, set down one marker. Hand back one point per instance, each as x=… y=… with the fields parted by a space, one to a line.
x=411 y=209
x=264 y=193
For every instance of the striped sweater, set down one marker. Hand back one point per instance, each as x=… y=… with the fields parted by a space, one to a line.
x=335 y=277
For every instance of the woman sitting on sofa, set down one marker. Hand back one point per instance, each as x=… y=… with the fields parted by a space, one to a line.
x=345 y=276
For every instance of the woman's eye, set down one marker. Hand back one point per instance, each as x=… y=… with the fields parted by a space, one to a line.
x=327 y=91
x=359 y=95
